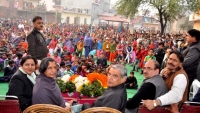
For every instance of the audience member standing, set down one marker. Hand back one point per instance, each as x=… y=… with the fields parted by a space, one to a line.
x=52 y=46
x=76 y=39
x=160 y=53
x=192 y=55
x=36 y=41
x=87 y=44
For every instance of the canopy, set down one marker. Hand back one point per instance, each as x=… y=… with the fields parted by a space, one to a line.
x=113 y=18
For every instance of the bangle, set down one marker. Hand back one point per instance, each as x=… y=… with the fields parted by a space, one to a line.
x=154 y=103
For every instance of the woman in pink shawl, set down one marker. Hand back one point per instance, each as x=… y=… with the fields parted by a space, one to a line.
x=134 y=51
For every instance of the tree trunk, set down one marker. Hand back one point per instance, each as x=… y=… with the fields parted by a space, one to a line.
x=162 y=29
x=161 y=23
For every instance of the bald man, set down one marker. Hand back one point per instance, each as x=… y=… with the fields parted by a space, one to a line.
x=152 y=87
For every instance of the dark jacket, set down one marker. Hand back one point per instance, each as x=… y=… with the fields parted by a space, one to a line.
x=37 y=45
x=130 y=80
x=160 y=53
x=150 y=89
x=46 y=91
x=191 y=59
x=197 y=97
x=8 y=71
x=114 y=97
x=21 y=87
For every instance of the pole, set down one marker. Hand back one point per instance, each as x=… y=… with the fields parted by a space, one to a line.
x=56 y=15
x=45 y=16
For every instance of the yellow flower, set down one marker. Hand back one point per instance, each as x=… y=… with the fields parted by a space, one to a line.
x=79 y=88
x=86 y=81
x=100 y=82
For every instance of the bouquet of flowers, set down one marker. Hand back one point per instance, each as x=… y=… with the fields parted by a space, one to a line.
x=92 y=90
x=97 y=85
x=92 y=86
x=65 y=85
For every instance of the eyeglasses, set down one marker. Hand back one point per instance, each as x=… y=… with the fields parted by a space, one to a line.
x=147 y=69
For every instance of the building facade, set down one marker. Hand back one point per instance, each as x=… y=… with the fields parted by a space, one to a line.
x=75 y=18
x=146 y=23
x=196 y=19
x=25 y=10
x=69 y=11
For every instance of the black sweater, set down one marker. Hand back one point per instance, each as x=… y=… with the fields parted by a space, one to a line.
x=146 y=91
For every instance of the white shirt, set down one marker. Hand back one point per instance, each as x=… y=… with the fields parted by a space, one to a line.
x=21 y=26
x=175 y=95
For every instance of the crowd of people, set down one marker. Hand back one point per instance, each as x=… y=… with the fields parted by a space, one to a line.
x=82 y=49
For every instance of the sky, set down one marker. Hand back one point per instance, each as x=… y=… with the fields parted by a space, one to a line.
x=152 y=11
x=113 y=1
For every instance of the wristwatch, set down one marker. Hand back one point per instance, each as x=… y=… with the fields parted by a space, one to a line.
x=154 y=103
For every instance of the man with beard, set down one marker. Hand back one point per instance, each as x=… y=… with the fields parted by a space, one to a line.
x=36 y=41
x=177 y=82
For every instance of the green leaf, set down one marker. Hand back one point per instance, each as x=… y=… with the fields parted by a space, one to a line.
x=168 y=10
x=94 y=89
x=70 y=86
x=61 y=85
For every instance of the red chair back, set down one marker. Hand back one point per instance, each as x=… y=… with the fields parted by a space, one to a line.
x=142 y=109
x=190 y=107
x=9 y=106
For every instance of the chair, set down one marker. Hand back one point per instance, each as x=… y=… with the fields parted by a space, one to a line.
x=142 y=109
x=45 y=108
x=9 y=106
x=100 y=110
x=190 y=107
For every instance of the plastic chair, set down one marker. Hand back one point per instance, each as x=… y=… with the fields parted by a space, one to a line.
x=100 y=110
x=9 y=106
x=45 y=108
x=190 y=107
x=142 y=109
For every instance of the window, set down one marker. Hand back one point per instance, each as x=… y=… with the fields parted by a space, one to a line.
x=75 y=20
x=85 y=20
x=67 y=20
